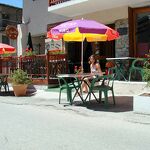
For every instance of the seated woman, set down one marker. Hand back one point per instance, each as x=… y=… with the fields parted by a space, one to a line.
x=95 y=68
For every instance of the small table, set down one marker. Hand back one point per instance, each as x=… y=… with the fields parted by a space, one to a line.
x=120 y=66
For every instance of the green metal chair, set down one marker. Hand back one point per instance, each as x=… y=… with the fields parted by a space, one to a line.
x=105 y=86
x=113 y=70
x=118 y=70
x=64 y=85
x=4 y=83
x=137 y=67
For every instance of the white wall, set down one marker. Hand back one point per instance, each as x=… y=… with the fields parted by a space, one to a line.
x=39 y=16
x=36 y=12
x=39 y=44
x=107 y=16
x=36 y=16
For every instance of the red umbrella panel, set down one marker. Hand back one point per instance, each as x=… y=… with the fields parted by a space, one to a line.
x=54 y=37
x=5 y=49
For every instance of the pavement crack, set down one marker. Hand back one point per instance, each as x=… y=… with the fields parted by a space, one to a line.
x=77 y=112
x=138 y=122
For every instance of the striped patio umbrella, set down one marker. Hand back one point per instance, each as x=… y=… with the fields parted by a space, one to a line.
x=6 y=49
x=79 y=30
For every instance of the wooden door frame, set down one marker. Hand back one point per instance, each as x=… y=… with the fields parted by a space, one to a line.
x=132 y=13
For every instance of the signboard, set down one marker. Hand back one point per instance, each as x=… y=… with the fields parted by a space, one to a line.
x=52 y=45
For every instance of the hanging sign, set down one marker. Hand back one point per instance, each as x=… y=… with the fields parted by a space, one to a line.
x=11 y=32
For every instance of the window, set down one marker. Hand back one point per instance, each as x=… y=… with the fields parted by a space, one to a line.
x=5 y=39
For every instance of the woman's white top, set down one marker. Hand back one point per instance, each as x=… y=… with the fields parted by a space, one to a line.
x=93 y=69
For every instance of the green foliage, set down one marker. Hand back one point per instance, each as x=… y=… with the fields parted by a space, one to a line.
x=147 y=72
x=20 y=77
x=58 y=52
x=29 y=53
x=6 y=55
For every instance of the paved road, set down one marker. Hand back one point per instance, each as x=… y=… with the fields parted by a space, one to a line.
x=30 y=127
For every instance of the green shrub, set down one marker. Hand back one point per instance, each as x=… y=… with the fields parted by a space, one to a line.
x=20 y=77
x=6 y=55
x=147 y=72
x=29 y=53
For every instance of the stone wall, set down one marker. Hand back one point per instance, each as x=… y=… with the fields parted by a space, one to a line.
x=122 y=44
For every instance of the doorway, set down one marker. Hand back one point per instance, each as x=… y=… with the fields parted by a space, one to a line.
x=107 y=48
x=139 y=31
x=73 y=50
x=104 y=49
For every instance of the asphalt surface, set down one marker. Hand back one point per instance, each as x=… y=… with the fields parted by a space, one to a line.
x=38 y=122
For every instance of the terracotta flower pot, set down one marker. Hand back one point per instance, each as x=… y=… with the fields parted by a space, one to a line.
x=20 y=89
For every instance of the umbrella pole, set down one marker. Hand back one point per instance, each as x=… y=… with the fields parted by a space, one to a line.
x=82 y=69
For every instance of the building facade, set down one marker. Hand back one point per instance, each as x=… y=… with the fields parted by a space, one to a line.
x=9 y=15
x=131 y=18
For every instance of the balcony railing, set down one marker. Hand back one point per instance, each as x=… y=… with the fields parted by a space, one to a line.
x=55 y=2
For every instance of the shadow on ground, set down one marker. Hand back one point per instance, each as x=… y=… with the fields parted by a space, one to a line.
x=31 y=90
x=123 y=104
x=11 y=93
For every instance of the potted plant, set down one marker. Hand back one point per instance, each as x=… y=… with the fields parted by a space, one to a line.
x=29 y=54
x=141 y=103
x=20 y=81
